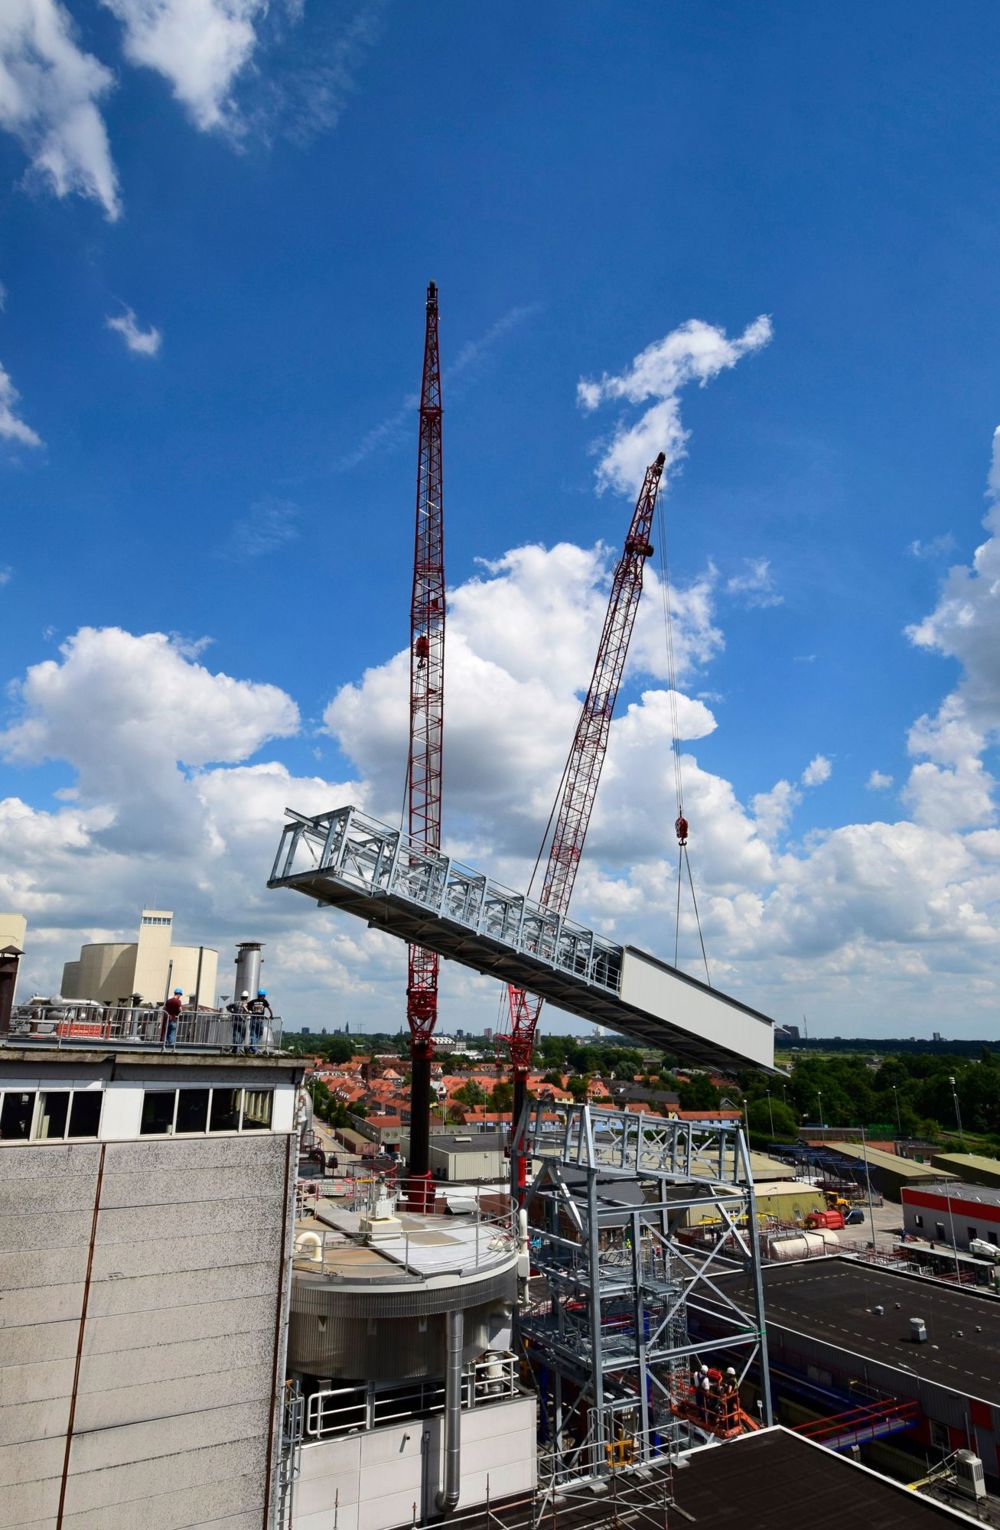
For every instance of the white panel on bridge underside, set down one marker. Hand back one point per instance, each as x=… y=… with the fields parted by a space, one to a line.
x=666 y=995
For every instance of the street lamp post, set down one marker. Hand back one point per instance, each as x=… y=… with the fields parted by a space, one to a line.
x=868 y=1182
x=770 y=1111
x=899 y=1124
x=958 y=1113
x=954 y=1240
x=819 y=1097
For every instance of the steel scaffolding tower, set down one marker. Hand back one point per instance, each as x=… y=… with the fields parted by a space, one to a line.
x=619 y=1279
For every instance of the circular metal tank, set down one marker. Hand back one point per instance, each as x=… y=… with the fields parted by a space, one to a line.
x=358 y=1314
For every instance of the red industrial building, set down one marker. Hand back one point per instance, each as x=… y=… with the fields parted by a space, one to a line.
x=953 y=1214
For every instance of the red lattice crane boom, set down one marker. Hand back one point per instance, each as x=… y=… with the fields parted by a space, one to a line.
x=575 y=800
x=427 y=624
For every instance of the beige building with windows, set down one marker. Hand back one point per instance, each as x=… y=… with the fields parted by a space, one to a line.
x=115 y=972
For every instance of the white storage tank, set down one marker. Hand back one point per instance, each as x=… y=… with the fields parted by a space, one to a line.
x=804 y=1245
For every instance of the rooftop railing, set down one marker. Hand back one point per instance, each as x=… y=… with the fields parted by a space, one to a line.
x=142 y=1028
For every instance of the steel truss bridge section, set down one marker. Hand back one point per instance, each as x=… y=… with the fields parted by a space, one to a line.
x=344 y=859
x=614 y=1283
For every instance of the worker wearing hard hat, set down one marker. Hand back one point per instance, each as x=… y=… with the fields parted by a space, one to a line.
x=171 y=1009
x=258 y=1008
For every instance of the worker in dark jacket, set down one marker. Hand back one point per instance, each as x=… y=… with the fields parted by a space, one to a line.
x=259 y=1008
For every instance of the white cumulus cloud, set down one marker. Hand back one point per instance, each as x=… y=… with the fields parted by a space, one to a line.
x=49 y=94
x=134 y=714
x=12 y=427
x=878 y=781
x=817 y=771
x=755 y=586
x=141 y=342
x=694 y=352
x=199 y=46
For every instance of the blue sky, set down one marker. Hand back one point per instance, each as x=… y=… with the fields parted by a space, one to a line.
x=217 y=226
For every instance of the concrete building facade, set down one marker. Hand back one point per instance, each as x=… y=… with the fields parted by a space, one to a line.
x=145 y=1234
x=113 y=972
x=953 y=1214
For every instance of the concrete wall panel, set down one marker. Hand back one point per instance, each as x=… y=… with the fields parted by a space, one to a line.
x=43 y=1161
x=215 y=1183
x=119 y=1406
x=29 y=1423
x=43 y=1267
x=34 y=1383
x=139 y=1481
x=158 y=1295
x=252 y=1150
x=39 y=1309
x=33 y=1344
x=32 y=1461
x=69 y=1230
x=174 y=1396
x=189 y=1219
x=171 y=1256
x=31 y=1504
x=118 y=1335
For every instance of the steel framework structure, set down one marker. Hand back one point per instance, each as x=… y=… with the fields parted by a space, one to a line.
x=347 y=860
x=424 y=774
x=606 y=1327
x=582 y=773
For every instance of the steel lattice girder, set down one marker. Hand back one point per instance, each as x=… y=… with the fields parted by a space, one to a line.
x=347 y=860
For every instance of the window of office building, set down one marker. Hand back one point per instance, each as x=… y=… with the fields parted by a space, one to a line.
x=187 y=1112
x=49 y=1115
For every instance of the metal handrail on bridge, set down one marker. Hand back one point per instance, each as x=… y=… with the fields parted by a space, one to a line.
x=349 y=847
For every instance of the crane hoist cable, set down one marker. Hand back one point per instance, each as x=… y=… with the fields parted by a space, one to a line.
x=681 y=825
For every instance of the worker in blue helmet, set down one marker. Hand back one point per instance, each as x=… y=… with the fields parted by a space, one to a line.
x=171 y=1009
x=260 y=1010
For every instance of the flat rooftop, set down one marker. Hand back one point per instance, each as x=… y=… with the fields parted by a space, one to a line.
x=469 y=1142
x=960 y=1194
x=878 y=1158
x=832 y=1300
x=754 y=1483
x=968 y=1163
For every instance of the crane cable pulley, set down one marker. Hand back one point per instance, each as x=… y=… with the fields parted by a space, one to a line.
x=681 y=826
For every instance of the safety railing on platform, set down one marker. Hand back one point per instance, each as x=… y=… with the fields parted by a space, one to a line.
x=870 y=1421
x=348 y=847
x=144 y=1027
x=348 y=1410
x=481 y=1240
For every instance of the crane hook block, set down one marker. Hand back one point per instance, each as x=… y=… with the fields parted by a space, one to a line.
x=682 y=830
x=422 y=647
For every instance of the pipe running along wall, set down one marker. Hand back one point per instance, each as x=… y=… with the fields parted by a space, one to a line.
x=447 y=1498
